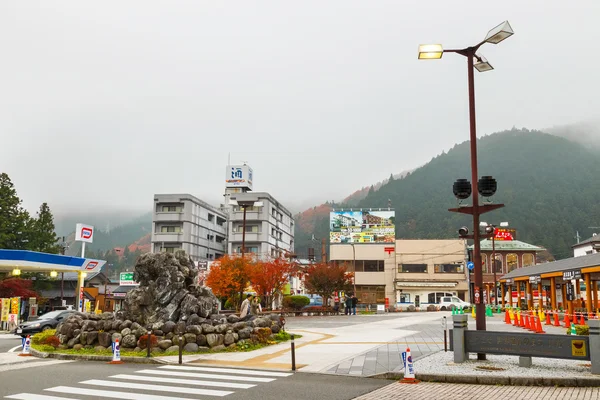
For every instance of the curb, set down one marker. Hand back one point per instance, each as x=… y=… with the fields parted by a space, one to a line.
x=496 y=380
x=89 y=357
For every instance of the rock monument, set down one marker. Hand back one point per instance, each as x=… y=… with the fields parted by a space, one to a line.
x=168 y=303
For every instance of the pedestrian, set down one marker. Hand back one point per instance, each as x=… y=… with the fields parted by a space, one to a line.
x=245 y=307
x=255 y=307
x=354 y=303
x=348 y=305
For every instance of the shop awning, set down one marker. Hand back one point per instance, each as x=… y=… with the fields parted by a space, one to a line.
x=427 y=284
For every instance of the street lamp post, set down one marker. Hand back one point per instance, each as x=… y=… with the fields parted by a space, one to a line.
x=494 y=36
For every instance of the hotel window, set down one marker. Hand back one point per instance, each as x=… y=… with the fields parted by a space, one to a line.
x=211 y=217
x=249 y=228
x=412 y=268
x=170 y=229
x=455 y=268
x=172 y=208
x=249 y=249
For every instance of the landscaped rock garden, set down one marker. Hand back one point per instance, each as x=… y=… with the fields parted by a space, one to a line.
x=170 y=305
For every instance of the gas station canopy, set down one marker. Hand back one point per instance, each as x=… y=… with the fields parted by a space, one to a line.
x=42 y=262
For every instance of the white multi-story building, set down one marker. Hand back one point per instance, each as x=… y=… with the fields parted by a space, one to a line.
x=269 y=225
x=182 y=221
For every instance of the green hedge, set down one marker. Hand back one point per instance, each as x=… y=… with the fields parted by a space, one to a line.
x=295 y=302
x=40 y=338
x=582 y=330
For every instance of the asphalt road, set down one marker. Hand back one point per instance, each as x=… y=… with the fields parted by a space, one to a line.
x=338 y=321
x=8 y=342
x=94 y=380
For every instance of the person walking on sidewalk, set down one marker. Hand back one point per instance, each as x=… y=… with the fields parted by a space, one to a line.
x=354 y=303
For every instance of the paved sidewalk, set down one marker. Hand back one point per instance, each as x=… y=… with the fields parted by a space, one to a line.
x=446 y=391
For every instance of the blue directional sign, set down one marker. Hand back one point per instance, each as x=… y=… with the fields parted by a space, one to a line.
x=470 y=265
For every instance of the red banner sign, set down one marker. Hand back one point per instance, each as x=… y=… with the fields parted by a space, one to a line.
x=504 y=234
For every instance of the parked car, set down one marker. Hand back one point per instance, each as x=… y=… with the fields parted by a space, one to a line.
x=450 y=302
x=44 y=322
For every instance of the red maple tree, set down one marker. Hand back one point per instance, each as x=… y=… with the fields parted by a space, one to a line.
x=324 y=279
x=17 y=287
x=229 y=276
x=270 y=277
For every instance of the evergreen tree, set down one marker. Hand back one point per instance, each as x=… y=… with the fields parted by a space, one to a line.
x=371 y=190
x=14 y=220
x=41 y=234
x=391 y=178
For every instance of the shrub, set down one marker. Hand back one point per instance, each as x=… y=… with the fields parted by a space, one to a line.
x=263 y=335
x=143 y=342
x=282 y=336
x=38 y=338
x=46 y=348
x=411 y=308
x=581 y=330
x=231 y=302
x=295 y=302
x=51 y=341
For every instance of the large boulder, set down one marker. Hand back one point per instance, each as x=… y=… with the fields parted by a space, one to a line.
x=245 y=333
x=201 y=340
x=129 y=341
x=92 y=337
x=195 y=329
x=232 y=319
x=104 y=339
x=212 y=339
x=206 y=328
x=239 y=325
x=165 y=344
x=221 y=328
x=190 y=338
x=228 y=339
x=172 y=349
x=168 y=327
x=191 y=347
x=117 y=336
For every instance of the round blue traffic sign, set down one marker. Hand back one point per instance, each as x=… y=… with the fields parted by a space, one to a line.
x=470 y=265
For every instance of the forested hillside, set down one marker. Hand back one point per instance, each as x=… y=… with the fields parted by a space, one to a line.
x=549 y=185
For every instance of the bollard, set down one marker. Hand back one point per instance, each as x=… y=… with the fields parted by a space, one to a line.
x=293 y=354
x=180 y=349
x=148 y=342
x=445 y=325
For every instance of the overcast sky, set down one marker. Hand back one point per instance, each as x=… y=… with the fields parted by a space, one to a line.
x=104 y=104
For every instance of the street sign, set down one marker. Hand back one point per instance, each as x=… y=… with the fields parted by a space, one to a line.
x=470 y=265
x=570 y=275
x=477 y=296
x=126 y=279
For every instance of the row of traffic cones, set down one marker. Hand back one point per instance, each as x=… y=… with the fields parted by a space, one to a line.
x=527 y=320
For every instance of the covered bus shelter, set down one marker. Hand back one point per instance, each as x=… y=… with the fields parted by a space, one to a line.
x=13 y=262
x=556 y=278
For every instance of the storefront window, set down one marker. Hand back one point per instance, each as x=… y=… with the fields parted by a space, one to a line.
x=404 y=298
x=412 y=268
x=512 y=261
x=371 y=294
x=528 y=259
x=449 y=268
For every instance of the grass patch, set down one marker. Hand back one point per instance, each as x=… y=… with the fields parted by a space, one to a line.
x=244 y=346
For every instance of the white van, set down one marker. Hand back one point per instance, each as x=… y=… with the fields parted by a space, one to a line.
x=449 y=302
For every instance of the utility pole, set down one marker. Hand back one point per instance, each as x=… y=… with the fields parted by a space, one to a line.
x=63 y=248
x=323 y=251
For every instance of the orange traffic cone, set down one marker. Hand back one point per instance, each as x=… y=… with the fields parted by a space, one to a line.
x=581 y=319
x=534 y=321
x=567 y=321
x=548 y=317
x=556 y=321
x=522 y=321
x=516 y=321
x=527 y=324
x=539 y=328
x=507 y=317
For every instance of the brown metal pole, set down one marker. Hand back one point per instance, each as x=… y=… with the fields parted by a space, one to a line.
x=510 y=300
x=595 y=295
x=494 y=265
x=323 y=251
x=588 y=293
x=479 y=308
x=529 y=295
x=553 y=292
x=502 y=291
x=244 y=233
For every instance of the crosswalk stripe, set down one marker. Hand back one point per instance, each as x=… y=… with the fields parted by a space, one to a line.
x=31 y=396
x=205 y=376
x=183 y=381
x=229 y=371
x=157 y=388
x=112 y=394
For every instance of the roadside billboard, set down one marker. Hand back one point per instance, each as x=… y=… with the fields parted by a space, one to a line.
x=362 y=226
x=126 y=279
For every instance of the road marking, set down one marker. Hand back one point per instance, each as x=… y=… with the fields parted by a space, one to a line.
x=183 y=381
x=15 y=348
x=31 y=396
x=229 y=371
x=205 y=376
x=157 y=388
x=111 y=394
x=31 y=364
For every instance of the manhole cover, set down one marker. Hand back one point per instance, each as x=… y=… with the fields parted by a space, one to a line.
x=485 y=368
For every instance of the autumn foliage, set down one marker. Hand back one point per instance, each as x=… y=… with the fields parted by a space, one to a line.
x=229 y=276
x=270 y=277
x=324 y=279
x=17 y=287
